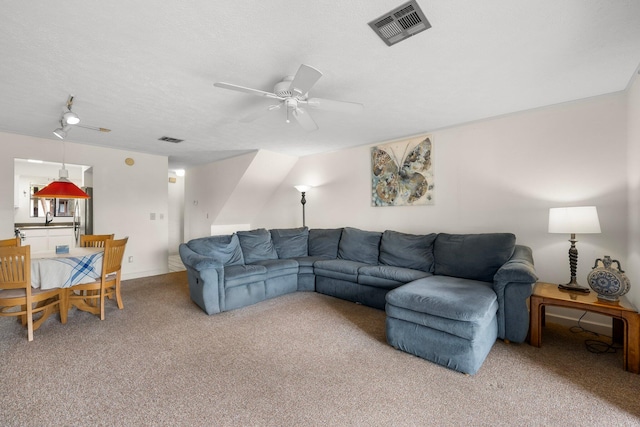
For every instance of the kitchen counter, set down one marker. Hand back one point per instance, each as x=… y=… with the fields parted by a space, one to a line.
x=46 y=237
x=33 y=225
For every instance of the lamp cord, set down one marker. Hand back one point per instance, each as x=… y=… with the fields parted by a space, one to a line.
x=597 y=346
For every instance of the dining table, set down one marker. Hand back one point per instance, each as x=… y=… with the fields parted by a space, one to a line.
x=51 y=270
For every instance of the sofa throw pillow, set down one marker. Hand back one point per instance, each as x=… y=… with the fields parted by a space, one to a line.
x=291 y=242
x=407 y=250
x=256 y=245
x=472 y=256
x=323 y=242
x=359 y=245
x=225 y=249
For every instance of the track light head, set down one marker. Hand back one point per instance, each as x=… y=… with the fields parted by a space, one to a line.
x=61 y=132
x=70 y=118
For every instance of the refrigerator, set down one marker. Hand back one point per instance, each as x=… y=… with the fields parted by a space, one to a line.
x=83 y=215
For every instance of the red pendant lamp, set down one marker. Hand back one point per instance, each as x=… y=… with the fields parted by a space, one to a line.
x=62 y=188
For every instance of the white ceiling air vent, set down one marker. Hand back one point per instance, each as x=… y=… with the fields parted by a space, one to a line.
x=401 y=23
x=169 y=139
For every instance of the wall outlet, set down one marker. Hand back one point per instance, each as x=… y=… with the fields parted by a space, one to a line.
x=152 y=216
x=131 y=258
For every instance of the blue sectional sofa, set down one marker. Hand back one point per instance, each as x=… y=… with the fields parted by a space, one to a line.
x=447 y=297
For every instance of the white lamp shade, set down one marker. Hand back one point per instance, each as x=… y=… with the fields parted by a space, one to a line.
x=303 y=188
x=574 y=220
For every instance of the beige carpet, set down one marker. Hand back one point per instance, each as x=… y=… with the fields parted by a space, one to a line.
x=299 y=360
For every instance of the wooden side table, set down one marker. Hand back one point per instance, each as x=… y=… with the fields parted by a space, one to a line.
x=623 y=312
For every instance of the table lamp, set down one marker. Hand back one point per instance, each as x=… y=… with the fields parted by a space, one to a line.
x=574 y=220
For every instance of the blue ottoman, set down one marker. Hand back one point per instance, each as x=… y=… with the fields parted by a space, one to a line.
x=446 y=320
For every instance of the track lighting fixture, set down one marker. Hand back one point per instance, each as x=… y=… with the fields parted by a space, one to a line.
x=70 y=118
x=61 y=132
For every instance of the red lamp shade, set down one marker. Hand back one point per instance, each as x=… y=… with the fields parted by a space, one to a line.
x=61 y=189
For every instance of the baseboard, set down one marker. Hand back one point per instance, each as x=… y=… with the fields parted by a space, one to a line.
x=139 y=274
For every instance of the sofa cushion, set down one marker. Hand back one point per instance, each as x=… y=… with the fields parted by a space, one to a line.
x=359 y=245
x=305 y=264
x=256 y=245
x=387 y=276
x=239 y=275
x=407 y=250
x=279 y=267
x=291 y=242
x=225 y=249
x=472 y=256
x=338 y=269
x=448 y=297
x=324 y=242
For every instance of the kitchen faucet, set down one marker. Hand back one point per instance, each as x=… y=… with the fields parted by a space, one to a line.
x=48 y=218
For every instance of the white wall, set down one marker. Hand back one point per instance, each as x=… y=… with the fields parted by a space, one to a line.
x=495 y=175
x=632 y=266
x=232 y=191
x=124 y=196
x=207 y=189
x=176 y=212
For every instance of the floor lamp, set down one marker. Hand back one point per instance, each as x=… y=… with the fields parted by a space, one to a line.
x=574 y=220
x=303 y=189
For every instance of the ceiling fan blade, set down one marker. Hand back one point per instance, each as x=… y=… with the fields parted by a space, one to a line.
x=94 y=128
x=304 y=119
x=237 y=88
x=304 y=79
x=259 y=113
x=333 y=105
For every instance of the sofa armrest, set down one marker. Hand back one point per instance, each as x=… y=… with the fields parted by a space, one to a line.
x=206 y=280
x=197 y=261
x=519 y=268
x=513 y=283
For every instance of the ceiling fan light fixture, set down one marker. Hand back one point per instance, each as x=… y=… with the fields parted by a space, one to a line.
x=70 y=118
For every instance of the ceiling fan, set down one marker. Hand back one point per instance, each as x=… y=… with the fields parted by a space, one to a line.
x=292 y=94
x=69 y=119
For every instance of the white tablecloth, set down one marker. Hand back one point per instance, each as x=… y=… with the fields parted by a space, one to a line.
x=81 y=265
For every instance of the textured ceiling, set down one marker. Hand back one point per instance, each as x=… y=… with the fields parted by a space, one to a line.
x=146 y=69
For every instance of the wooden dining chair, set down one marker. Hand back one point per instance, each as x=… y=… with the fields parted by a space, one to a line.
x=17 y=297
x=10 y=242
x=94 y=240
x=90 y=296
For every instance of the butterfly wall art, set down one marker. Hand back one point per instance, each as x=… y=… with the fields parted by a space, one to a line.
x=402 y=173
